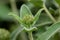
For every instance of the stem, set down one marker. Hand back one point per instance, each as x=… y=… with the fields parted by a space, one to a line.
x=23 y=36
x=30 y=35
x=13 y=6
x=48 y=13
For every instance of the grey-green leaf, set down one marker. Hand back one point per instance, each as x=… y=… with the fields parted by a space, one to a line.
x=15 y=33
x=50 y=32
x=24 y=11
x=16 y=17
x=36 y=17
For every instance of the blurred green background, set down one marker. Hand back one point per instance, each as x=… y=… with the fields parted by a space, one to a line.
x=9 y=24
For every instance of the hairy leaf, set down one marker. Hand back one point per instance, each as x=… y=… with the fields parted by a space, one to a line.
x=37 y=15
x=15 y=16
x=15 y=33
x=24 y=11
x=50 y=32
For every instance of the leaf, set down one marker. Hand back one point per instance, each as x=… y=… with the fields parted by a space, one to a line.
x=50 y=32
x=43 y=20
x=43 y=24
x=15 y=33
x=16 y=17
x=24 y=11
x=39 y=32
x=36 y=17
x=30 y=5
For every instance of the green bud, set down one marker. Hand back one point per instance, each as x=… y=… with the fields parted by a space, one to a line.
x=28 y=20
x=4 y=34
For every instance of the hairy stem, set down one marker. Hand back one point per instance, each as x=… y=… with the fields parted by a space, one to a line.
x=48 y=13
x=23 y=36
x=30 y=35
x=13 y=6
